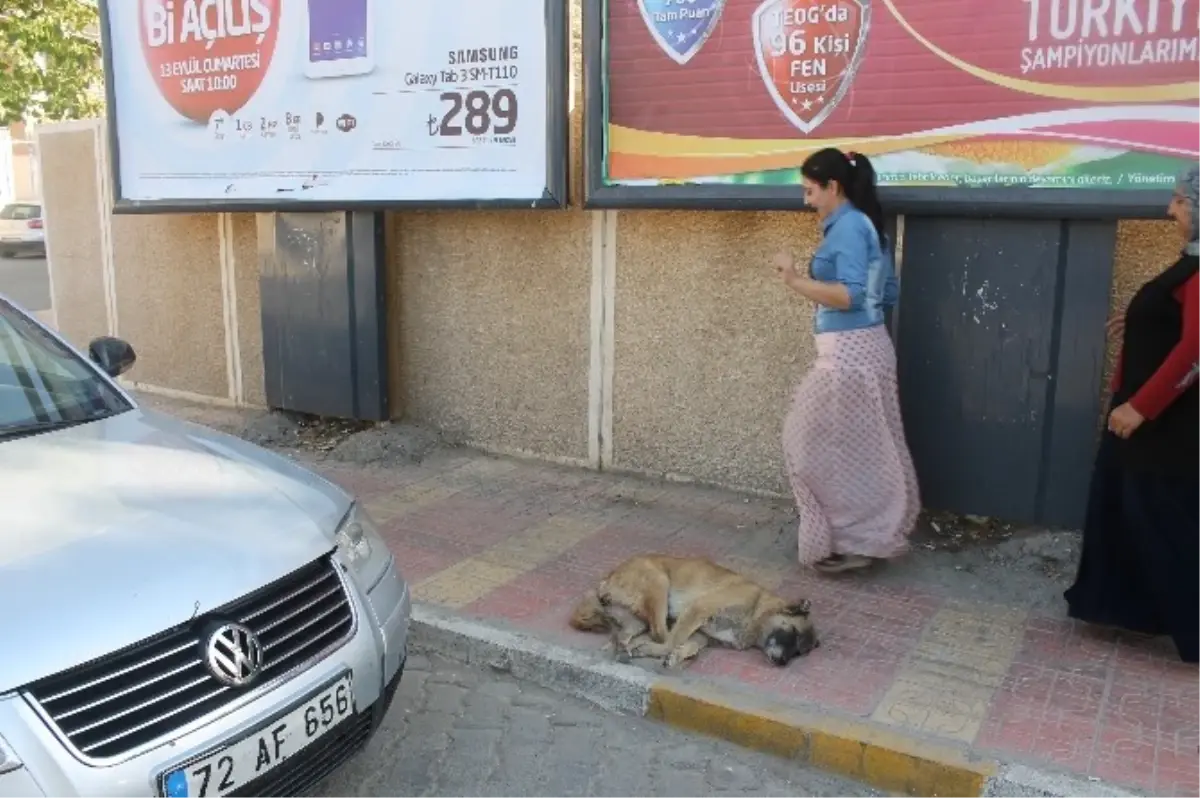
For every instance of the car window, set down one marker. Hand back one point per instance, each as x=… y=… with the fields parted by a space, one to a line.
x=43 y=383
x=21 y=210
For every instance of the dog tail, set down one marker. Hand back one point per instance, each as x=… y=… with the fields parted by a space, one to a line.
x=589 y=614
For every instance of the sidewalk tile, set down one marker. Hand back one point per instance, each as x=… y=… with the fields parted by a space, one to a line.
x=519 y=543
x=463 y=582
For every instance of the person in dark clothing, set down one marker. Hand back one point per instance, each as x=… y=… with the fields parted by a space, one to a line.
x=1141 y=539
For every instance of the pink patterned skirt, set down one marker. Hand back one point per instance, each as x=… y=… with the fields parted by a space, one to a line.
x=847 y=460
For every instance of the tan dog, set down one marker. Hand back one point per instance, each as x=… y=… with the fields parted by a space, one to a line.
x=637 y=602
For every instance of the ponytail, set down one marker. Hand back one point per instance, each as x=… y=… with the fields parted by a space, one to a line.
x=861 y=190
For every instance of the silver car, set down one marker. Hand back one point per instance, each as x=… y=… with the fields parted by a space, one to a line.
x=181 y=613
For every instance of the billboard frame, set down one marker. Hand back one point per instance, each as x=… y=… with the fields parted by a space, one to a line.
x=1066 y=203
x=555 y=195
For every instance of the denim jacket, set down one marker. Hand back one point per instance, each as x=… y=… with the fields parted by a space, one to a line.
x=850 y=254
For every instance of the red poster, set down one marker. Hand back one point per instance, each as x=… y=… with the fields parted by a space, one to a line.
x=1053 y=93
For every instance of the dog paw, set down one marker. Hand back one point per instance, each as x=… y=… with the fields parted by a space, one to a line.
x=672 y=661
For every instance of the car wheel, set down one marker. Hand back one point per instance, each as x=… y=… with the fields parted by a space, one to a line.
x=4 y=253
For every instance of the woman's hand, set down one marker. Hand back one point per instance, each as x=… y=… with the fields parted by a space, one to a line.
x=1124 y=421
x=785 y=267
x=1115 y=327
x=785 y=264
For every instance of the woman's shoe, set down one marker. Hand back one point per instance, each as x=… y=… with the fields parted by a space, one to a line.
x=839 y=563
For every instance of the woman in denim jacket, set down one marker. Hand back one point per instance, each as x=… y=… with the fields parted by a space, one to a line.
x=843 y=441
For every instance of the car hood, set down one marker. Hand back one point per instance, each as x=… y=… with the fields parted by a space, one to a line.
x=113 y=531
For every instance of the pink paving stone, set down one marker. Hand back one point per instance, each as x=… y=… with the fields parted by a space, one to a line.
x=1182 y=737
x=1132 y=708
x=748 y=666
x=1066 y=743
x=1011 y=727
x=1025 y=685
x=587 y=562
x=1075 y=699
x=692 y=543
x=1170 y=786
x=416 y=563
x=510 y=603
x=1179 y=720
x=528 y=597
x=846 y=648
x=1068 y=649
x=642 y=537
x=843 y=694
x=462 y=519
x=368 y=484
x=454 y=550
x=1177 y=772
x=887 y=616
x=1126 y=756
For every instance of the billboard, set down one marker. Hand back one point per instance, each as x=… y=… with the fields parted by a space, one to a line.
x=1086 y=106
x=335 y=104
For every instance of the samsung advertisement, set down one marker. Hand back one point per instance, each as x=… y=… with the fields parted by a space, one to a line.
x=342 y=102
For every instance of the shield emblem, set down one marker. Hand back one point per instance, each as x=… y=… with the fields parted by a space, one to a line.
x=808 y=52
x=681 y=26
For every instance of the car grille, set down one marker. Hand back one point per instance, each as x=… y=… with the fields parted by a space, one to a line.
x=121 y=702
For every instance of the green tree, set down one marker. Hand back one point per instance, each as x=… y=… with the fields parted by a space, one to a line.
x=50 y=66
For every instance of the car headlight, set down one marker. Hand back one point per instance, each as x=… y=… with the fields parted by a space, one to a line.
x=361 y=548
x=8 y=758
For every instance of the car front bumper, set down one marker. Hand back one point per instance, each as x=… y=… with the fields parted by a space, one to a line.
x=22 y=245
x=374 y=656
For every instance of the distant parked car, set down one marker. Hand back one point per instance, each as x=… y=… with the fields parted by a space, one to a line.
x=21 y=230
x=181 y=613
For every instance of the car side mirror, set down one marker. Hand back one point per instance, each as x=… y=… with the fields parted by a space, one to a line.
x=112 y=355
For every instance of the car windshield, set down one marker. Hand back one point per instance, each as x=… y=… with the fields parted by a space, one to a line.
x=20 y=211
x=43 y=385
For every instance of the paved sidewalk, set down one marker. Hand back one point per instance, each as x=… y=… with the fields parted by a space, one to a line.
x=969 y=649
x=518 y=542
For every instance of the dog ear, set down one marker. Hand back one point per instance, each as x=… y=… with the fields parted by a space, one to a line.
x=801 y=608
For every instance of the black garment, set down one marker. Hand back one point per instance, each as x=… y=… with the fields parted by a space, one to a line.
x=1153 y=327
x=1141 y=545
x=1141 y=539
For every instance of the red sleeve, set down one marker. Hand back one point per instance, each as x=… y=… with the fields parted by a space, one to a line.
x=1179 y=370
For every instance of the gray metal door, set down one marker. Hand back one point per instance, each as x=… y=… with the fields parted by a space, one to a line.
x=322 y=284
x=1001 y=355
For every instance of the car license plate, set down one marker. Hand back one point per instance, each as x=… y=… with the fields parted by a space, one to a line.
x=229 y=768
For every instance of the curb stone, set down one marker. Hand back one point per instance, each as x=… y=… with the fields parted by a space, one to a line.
x=874 y=755
x=623 y=689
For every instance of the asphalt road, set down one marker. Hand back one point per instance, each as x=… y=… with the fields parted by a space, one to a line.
x=456 y=730
x=26 y=281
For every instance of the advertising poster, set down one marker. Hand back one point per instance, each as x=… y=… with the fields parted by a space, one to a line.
x=336 y=102
x=1036 y=95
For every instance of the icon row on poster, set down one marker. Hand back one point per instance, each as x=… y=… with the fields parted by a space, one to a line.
x=292 y=126
x=339 y=45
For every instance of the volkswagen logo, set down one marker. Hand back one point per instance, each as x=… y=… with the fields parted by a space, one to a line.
x=233 y=654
